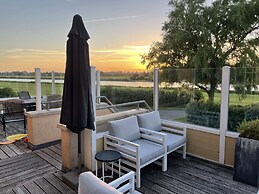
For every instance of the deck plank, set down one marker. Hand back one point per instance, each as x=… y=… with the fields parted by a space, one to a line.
x=8 y=192
x=8 y=151
x=15 y=149
x=2 y=154
x=12 y=171
x=23 y=146
x=46 y=186
x=21 y=169
x=52 y=154
x=55 y=149
x=216 y=176
x=58 y=146
x=49 y=159
x=15 y=159
x=27 y=174
x=33 y=188
x=57 y=183
x=21 y=190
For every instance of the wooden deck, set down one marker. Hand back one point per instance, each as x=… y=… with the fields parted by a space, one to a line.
x=25 y=172
x=191 y=176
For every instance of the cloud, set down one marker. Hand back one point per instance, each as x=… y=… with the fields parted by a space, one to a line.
x=127 y=53
x=35 y=55
x=116 y=18
x=35 y=51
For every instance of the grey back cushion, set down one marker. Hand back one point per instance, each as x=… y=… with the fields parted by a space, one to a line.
x=126 y=129
x=150 y=121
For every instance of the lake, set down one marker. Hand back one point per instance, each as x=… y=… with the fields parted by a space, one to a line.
x=103 y=83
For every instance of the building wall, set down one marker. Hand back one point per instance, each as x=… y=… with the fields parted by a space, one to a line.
x=203 y=144
x=230 y=151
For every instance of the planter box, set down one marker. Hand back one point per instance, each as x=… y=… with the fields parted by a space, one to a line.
x=246 y=166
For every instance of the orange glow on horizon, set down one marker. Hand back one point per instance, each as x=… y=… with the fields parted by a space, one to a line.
x=126 y=59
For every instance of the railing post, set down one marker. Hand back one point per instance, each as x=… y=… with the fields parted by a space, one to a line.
x=38 y=88
x=98 y=85
x=224 y=112
x=53 y=82
x=156 y=89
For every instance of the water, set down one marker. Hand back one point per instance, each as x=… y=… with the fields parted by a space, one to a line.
x=103 y=83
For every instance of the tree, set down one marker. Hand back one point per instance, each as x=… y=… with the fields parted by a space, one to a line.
x=207 y=37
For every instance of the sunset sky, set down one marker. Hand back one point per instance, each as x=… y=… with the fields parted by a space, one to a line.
x=34 y=32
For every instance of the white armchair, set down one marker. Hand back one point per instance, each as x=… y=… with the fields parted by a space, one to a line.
x=89 y=184
x=176 y=134
x=138 y=149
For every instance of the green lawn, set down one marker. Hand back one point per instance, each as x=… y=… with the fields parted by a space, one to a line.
x=46 y=90
x=45 y=87
x=235 y=100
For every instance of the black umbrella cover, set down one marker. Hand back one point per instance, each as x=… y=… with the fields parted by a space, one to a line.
x=77 y=106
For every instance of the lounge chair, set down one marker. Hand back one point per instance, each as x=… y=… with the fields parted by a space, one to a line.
x=13 y=111
x=24 y=95
x=53 y=101
x=90 y=184
x=138 y=149
x=29 y=103
x=176 y=135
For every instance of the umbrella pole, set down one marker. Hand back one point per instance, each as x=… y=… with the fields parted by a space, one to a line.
x=79 y=153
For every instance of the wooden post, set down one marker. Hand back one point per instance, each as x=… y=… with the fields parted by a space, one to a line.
x=89 y=139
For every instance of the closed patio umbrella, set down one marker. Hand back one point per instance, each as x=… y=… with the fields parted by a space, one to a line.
x=77 y=107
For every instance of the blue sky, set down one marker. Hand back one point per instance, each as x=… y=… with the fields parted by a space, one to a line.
x=33 y=32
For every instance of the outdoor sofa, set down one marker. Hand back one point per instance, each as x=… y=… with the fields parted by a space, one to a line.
x=176 y=134
x=137 y=147
x=90 y=184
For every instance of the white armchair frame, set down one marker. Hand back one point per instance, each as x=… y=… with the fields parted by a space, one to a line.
x=128 y=187
x=131 y=156
x=170 y=126
x=124 y=184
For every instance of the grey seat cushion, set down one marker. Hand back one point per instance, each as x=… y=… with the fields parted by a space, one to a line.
x=150 y=121
x=147 y=150
x=173 y=140
x=126 y=129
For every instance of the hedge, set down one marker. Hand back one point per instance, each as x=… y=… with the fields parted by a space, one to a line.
x=208 y=114
x=167 y=97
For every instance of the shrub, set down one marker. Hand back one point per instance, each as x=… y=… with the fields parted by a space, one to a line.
x=208 y=114
x=198 y=96
x=252 y=113
x=167 y=97
x=249 y=129
x=7 y=92
x=236 y=114
x=203 y=113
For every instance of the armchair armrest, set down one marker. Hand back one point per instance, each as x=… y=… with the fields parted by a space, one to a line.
x=173 y=127
x=149 y=135
x=154 y=136
x=130 y=186
x=119 y=140
x=130 y=151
